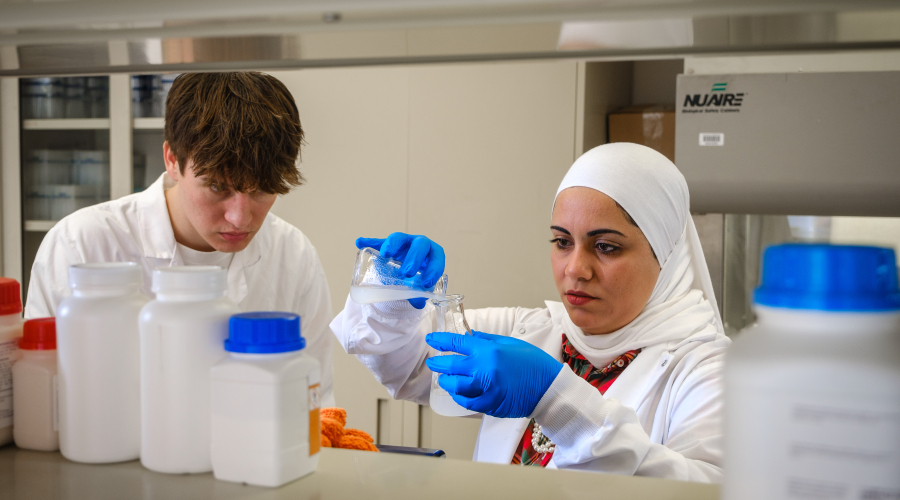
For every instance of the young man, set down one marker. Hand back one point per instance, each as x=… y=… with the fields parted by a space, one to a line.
x=231 y=145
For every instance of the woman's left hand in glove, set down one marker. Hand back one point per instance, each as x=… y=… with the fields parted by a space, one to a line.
x=496 y=375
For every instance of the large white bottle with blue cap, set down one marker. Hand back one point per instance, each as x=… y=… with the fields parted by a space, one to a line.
x=812 y=391
x=265 y=402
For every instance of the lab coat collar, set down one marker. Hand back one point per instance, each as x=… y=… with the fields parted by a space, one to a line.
x=633 y=386
x=158 y=239
x=241 y=264
x=157 y=236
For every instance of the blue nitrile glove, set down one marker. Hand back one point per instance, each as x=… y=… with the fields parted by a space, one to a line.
x=499 y=376
x=417 y=253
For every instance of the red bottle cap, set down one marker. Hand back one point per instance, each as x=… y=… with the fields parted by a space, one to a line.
x=10 y=297
x=39 y=335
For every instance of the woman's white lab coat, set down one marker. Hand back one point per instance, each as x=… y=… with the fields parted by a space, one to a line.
x=660 y=418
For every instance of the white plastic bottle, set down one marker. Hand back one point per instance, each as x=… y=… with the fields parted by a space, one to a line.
x=10 y=332
x=98 y=367
x=265 y=402
x=36 y=417
x=812 y=397
x=182 y=332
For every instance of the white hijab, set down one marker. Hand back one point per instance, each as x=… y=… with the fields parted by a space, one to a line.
x=652 y=190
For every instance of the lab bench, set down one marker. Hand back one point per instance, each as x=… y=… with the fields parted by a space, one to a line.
x=342 y=474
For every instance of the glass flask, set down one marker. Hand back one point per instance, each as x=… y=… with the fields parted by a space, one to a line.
x=378 y=279
x=449 y=317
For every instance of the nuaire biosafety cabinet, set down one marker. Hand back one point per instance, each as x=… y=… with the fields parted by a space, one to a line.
x=790 y=143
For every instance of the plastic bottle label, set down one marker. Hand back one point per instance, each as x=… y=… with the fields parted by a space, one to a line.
x=832 y=449
x=315 y=403
x=8 y=352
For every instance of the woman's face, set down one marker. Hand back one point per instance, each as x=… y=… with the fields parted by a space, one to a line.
x=603 y=265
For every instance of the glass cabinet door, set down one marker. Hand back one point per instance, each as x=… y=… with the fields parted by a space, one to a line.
x=64 y=150
x=148 y=104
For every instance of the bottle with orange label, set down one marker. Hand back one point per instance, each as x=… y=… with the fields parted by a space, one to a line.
x=265 y=402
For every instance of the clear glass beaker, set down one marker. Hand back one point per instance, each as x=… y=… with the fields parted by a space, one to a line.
x=449 y=317
x=378 y=279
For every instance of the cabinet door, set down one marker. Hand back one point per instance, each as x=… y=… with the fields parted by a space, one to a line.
x=489 y=143
x=62 y=145
x=355 y=165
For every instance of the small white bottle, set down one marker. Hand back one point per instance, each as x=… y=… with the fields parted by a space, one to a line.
x=98 y=356
x=182 y=332
x=36 y=417
x=265 y=402
x=10 y=332
x=812 y=391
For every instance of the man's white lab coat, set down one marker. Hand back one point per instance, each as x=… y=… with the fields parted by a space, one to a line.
x=278 y=271
x=660 y=418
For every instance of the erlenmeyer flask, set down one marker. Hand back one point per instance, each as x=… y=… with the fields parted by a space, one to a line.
x=449 y=317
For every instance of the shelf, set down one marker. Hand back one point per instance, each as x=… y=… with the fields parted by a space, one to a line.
x=39 y=225
x=149 y=123
x=67 y=124
x=88 y=124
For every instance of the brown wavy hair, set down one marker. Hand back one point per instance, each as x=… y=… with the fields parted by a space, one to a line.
x=239 y=129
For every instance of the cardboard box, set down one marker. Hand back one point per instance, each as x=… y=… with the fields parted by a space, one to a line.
x=650 y=125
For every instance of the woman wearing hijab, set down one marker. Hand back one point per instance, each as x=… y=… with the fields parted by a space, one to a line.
x=623 y=376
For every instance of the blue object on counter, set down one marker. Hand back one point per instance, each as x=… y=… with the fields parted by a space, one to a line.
x=839 y=278
x=264 y=333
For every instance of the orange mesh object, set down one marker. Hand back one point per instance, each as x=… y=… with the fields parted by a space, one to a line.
x=338 y=414
x=333 y=430
x=358 y=433
x=351 y=442
x=334 y=435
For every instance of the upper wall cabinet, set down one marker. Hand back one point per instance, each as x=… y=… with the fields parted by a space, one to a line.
x=71 y=142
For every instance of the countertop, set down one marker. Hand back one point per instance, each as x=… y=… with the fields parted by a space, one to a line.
x=342 y=474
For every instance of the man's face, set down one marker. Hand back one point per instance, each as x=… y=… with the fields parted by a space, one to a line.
x=208 y=216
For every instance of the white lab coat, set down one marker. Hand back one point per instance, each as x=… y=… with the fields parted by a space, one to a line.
x=278 y=271
x=660 y=418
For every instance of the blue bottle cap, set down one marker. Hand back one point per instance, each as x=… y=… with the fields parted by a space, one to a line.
x=264 y=333
x=841 y=278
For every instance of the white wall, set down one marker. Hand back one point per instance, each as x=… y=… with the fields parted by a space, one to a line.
x=488 y=145
x=878 y=231
x=467 y=154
